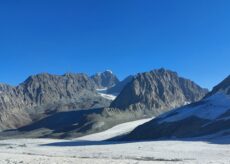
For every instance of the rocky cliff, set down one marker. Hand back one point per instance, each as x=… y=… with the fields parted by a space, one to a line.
x=158 y=91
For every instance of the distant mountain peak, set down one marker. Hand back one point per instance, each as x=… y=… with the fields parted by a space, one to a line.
x=109 y=71
x=105 y=79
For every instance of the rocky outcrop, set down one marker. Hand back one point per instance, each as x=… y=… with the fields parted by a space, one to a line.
x=105 y=80
x=158 y=91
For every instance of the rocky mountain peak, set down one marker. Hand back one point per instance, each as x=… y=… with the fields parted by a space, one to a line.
x=105 y=79
x=158 y=91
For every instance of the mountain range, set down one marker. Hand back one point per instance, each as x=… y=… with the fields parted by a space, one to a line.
x=46 y=105
x=44 y=93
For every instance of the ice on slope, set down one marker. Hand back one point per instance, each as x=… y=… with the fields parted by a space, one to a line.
x=118 y=130
x=209 y=108
x=108 y=96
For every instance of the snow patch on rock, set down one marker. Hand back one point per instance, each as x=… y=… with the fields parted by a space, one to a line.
x=103 y=93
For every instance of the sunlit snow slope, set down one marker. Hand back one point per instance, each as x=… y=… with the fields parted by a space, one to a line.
x=116 y=131
x=206 y=117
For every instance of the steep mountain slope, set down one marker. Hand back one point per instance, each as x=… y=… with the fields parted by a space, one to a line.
x=116 y=90
x=158 y=91
x=223 y=87
x=46 y=93
x=105 y=80
x=210 y=116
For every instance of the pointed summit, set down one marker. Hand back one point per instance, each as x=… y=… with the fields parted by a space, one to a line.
x=105 y=79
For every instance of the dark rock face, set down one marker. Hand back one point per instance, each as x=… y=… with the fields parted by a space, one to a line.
x=116 y=90
x=40 y=93
x=105 y=80
x=158 y=91
x=153 y=130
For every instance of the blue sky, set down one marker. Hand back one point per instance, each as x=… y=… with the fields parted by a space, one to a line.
x=191 y=37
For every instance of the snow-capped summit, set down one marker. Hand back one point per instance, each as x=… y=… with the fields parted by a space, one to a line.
x=109 y=71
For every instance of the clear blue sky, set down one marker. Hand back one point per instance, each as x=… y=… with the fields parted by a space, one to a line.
x=191 y=37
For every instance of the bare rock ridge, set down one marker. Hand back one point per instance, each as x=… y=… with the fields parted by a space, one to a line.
x=207 y=117
x=105 y=79
x=46 y=88
x=158 y=91
x=39 y=92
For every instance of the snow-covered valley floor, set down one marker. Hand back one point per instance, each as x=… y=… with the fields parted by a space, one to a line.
x=91 y=149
